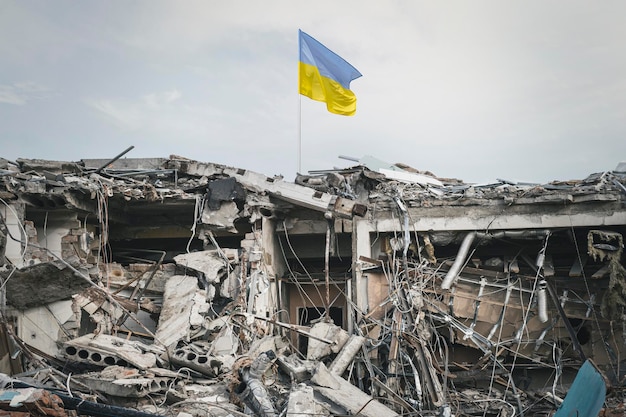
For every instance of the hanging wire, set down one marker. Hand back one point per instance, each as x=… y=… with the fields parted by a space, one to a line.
x=595 y=315
x=303 y=268
x=525 y=321
x=197 y=213
x=103 y=220
x=301 y=292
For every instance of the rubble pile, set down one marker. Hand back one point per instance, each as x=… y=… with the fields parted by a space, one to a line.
x=171 y=287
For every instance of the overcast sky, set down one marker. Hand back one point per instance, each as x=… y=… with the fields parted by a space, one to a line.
x=477 y=90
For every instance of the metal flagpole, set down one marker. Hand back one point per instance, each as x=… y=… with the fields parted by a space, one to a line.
x=299 y=134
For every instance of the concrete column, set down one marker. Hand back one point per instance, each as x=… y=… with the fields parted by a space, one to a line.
x=274 y=266
x=361 y=246
x=14 y=249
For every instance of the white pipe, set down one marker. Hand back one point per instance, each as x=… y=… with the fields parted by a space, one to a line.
x=542 y=302
x=461 y=256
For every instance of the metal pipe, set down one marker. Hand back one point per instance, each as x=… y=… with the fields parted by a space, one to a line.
x=130 y=148
x=542 y=302
x=568 y=325
x=497 y=324
x=329 y=219
x=461 y=256
x=288 y=326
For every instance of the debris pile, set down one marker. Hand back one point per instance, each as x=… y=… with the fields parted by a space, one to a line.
x=172 y=287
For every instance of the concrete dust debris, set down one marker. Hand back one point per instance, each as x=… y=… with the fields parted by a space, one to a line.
x=171 y=287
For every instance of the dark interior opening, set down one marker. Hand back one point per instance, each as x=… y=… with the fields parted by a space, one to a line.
x=306 y=315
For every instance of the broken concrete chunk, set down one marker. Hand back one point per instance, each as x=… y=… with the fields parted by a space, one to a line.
x=318 y=349
x=124 y=382
x=296 y=368
x=323 y=378
x=350 y=398
x=199 y=309
x=41 y=284
x=274 y=343
x=222 y=219
x=230 y=285
x=302 y=402
x=107 y=350
x=187 y=356
x=181 y=308
x=207 y=400
x=226 y=342
x=208 y=262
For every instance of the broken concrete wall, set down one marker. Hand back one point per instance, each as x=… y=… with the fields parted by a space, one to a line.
x=45 y=327
x=56 y=230
x=13 y=216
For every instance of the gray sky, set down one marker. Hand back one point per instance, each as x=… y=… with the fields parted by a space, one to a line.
x=477 y=90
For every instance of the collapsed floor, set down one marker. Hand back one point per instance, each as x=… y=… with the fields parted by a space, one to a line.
x=173 y=287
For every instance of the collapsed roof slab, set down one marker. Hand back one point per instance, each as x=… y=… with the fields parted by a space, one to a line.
x=41 y=284
x=287 y=191
x=125 y=163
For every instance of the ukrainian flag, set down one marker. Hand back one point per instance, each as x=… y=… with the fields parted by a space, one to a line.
x=325 y=76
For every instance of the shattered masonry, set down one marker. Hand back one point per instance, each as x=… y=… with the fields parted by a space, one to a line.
x=172 y=287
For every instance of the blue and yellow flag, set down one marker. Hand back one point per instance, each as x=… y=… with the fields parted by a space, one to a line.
x=325 y=76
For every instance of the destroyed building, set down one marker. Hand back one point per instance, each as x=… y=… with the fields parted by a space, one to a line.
x=173 y=287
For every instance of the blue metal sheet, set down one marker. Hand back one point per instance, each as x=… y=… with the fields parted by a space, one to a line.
x=586 y=395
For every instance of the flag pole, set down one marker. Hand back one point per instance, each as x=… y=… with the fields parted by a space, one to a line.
x=299 y=134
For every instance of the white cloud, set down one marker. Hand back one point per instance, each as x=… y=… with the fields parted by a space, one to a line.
x=158 y=100
x=163 y=113
x=9 y=95
x=122 y=113
x=20 y=93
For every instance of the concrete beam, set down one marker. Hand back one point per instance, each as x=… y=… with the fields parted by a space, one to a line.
x=347 y=354
x=287 y=191
x=346 y=395
x=479 y=221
